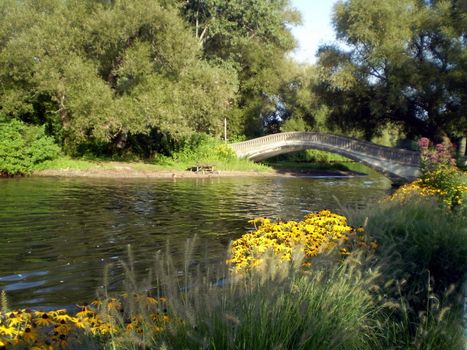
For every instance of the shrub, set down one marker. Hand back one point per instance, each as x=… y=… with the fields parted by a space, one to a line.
x=205 y=148
x=23 y=146
x=439 y=174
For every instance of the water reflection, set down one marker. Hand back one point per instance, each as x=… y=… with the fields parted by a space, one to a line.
x=56 y=235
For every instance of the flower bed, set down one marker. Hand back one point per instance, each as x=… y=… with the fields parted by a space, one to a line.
x=58 y=329
x=318 y=232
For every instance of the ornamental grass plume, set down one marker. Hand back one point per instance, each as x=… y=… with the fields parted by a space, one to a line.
x=277 y=305
x=4 y=302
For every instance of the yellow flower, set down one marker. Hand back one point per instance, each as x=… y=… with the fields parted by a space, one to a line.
x=29 y=335
x=43 y=319
x=84 y=311
x=151 y=300
x=8 y=331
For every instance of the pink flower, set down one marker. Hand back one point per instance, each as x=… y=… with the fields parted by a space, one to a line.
x=423 y=143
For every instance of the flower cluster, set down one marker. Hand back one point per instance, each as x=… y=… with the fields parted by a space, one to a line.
x=432 y=157
x=439 y=176
x=318 y=232
x=453 y=198
x=58 y=329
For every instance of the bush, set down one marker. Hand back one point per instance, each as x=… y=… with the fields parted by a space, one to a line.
x=23 y=146
x=438 y=172
x=205 y=148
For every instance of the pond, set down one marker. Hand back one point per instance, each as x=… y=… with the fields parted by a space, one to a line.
x=57 y=234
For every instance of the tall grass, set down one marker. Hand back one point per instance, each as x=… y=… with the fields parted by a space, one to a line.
x=423 y=260
x=277 y=307
x=421 y=243
x=406 y=295
x=280 y=306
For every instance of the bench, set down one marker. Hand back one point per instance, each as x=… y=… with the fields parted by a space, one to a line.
x=203 y=168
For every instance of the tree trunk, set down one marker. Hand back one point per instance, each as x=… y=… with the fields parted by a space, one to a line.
x=462 y=146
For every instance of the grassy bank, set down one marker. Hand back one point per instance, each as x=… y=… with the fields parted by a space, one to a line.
x=42 y=156
x=66 y=165
x=203 y=151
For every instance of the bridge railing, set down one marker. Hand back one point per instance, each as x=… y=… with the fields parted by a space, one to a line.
x=342 y=142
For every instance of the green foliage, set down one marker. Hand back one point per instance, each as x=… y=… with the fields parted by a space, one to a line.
x=135 y=68
x=124 y=76
x=22 y=147
x=202 y=149
x=201 y=146
x=405 y=65
x=422 y=258
x=438 y=171
x=294 y=124
x=310 y=158
x=423 y=251
x=254 y=36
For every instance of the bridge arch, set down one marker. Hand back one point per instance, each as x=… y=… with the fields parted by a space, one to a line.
x=397 y=164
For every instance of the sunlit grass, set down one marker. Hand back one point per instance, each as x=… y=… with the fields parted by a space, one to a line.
x=165 y=165
x=66 y=163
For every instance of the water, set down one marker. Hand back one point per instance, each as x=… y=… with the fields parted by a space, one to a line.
x=57 y=234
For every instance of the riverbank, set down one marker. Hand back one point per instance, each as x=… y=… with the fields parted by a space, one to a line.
x=142 y=170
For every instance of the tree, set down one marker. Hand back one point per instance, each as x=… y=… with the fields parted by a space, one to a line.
x=102 y=73
x=404 y=63
x=254 y=38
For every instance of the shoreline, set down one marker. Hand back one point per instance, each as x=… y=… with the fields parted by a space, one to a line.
x=131 y=173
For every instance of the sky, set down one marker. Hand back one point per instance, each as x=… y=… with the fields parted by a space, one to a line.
x=315 y=30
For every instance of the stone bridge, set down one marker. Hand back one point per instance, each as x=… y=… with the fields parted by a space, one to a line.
x=397 y=164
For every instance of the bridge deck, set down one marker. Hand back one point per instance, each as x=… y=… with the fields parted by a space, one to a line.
x=394 y=162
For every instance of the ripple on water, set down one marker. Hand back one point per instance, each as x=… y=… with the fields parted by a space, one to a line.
x=56 y=235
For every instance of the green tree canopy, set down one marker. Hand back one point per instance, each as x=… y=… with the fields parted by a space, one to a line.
x=403 y=63
x=254 y=37
x=101 y=72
